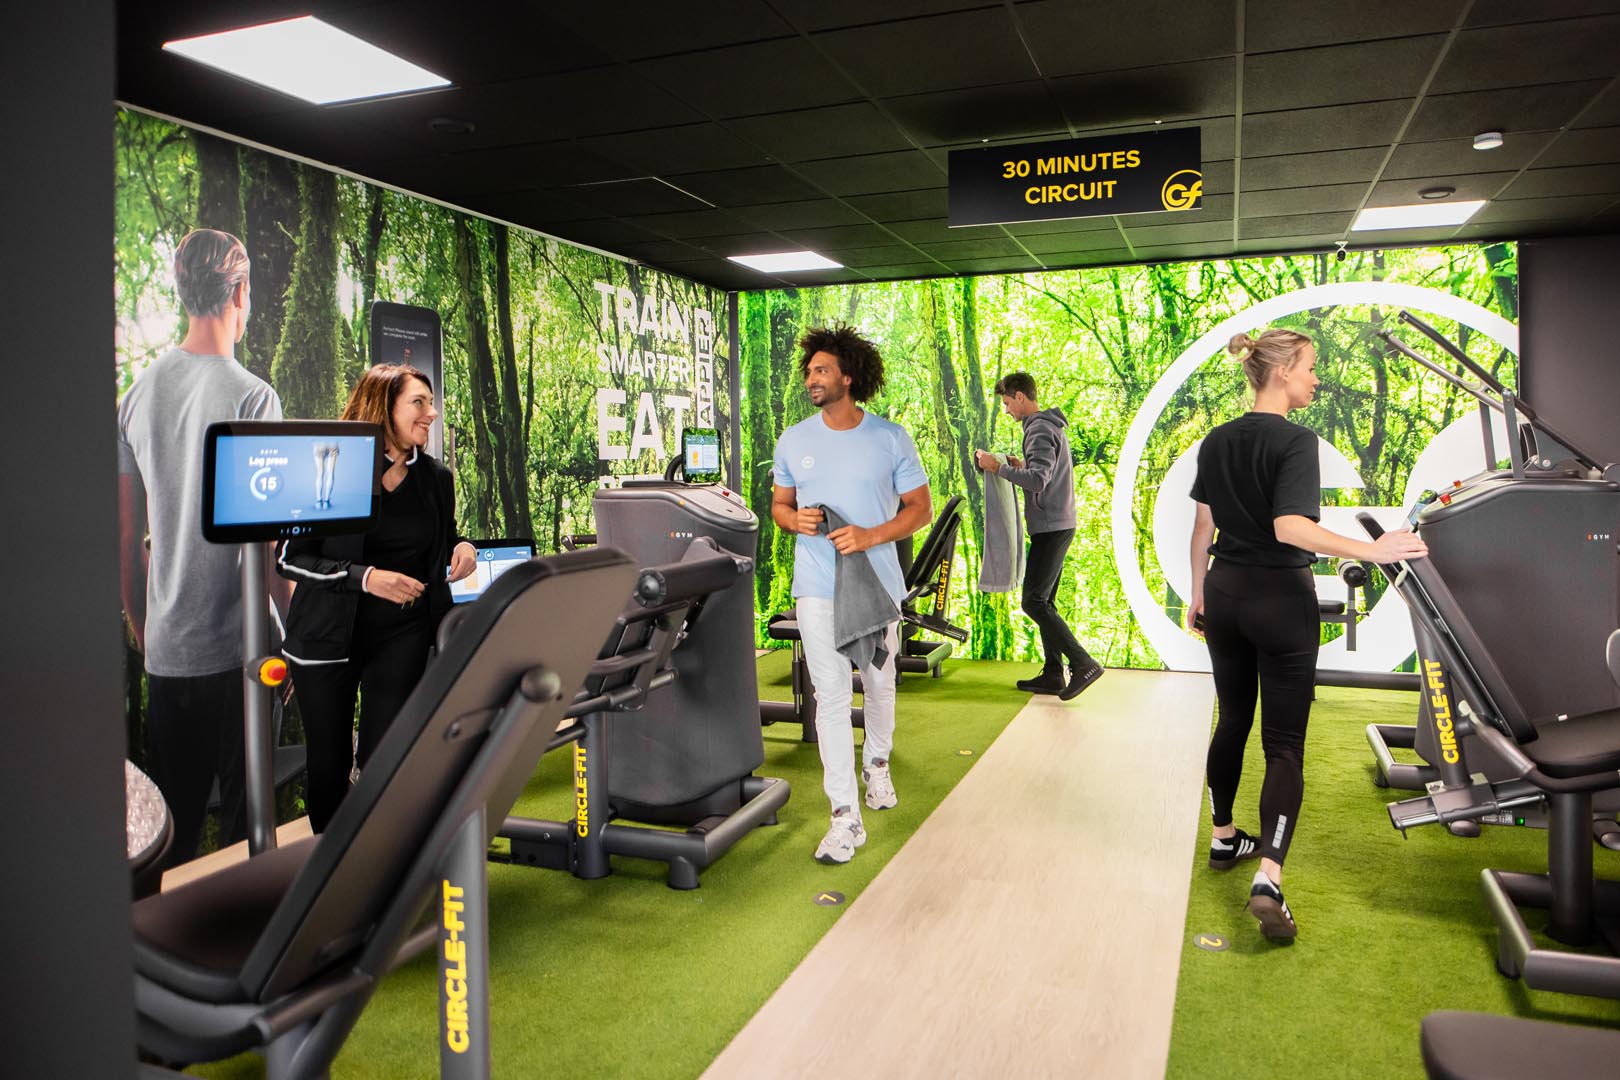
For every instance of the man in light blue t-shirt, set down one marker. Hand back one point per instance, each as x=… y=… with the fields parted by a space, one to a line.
x=866 y=471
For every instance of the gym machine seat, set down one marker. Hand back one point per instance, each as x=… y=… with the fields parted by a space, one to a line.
x=927 y=576
x=1479 y=1046
x=280 y=954
x=1562 y=760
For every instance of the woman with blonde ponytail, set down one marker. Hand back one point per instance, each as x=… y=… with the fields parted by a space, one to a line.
x=1255 y=536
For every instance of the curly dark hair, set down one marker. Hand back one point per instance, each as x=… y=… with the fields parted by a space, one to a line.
x=857 y=358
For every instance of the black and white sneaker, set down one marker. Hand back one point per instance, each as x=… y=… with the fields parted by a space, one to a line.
x=1225 y=854
x=1266 y=904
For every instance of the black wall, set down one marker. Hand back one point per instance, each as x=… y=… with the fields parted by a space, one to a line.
x=1569 y=334
x=68 y=1010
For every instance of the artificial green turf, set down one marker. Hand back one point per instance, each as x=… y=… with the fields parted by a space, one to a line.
x=625 y=977
x=1389 y=929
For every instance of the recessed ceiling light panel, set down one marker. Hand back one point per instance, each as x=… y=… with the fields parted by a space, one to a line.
x=308 y=59
x=782 y=262
x=1416 y=215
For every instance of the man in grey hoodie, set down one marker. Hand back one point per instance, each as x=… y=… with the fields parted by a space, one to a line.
x=1046 y=473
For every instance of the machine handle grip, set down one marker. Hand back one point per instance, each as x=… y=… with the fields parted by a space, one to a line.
x=1370 y=523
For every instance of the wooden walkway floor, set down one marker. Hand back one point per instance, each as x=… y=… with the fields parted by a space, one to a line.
x=1032 y=927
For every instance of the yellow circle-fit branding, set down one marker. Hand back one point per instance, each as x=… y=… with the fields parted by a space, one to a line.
x=1182 y=190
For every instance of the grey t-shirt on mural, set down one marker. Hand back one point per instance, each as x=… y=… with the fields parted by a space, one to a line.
x=193 y=588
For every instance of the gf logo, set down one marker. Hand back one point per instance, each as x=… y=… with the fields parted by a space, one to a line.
x=1183 y=190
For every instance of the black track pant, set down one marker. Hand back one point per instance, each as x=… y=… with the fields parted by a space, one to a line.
x=384 y=672
x=1263 y=628
x=1043 y=569
x=194 y=733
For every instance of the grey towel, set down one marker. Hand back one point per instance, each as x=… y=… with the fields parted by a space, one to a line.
x=1003 y=567
x=862 y=607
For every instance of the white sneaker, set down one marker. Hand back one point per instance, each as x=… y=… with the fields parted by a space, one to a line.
x=843 y=837
x=879 y=787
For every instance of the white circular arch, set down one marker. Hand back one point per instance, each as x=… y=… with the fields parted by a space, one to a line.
x=1179 y=649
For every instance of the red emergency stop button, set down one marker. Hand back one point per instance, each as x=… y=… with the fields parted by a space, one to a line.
x=273 y=672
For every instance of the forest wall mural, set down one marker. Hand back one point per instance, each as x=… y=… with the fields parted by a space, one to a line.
x=1098 y=342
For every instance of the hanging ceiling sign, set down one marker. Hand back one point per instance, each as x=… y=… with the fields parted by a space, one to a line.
x=1145 y=173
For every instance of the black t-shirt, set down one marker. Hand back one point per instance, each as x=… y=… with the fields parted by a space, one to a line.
x=402 y=542
x=1251 y=471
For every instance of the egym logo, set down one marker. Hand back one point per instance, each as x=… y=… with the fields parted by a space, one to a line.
x=1385 y=635
x=1182 y=190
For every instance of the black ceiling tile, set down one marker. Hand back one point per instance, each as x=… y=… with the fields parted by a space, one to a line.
x=1306 y=170
x=535 y=209
x=1172 y=252
x=691 y=148
x=623 y=198
x=809 y=134
x=324 y=136
x=1070 y=39
x=1544 y=107
x=1014 y=111
x=904 y=271
x=1339 y=74
x=1333 y=22
x=1499 y=12
x=1188 y=232
x=939 y=52
x=1091 y=240
x=903 y=205
x=745 y=187
x=745 y=80
x=1210 y=208
x=1062 y=225
x=1337 y=127
x=936 y=231
x=863 y=257
x=840 y=236
x=872 y=174
x=1574 y=180
x=1310 y=200
x=462 y=48
x=1586 y=146
x=170 y=84
x=632 y=29
x=598 y=101
x=748 y=243
x=809 y=214
x=1216 y=134
x=1605 y=111
x=1404 y=192
x=1294 y=225
x=660 y=251
x=835 y=14
x=1143 y=95
x=1064 y=260
x=986 y=247
x=1453 y=157
x=992 y=265
x=1556 y=208
x=1521 y=55
x=551 y=165
x=607 y=233
x=1217 y=177
x=1287 y=244
x=693 y=224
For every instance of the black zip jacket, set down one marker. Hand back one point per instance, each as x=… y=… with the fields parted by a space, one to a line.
x=328 y=571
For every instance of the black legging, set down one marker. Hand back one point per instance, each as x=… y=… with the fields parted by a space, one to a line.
x=1043 y=569
x=384 y=670
x=194 y=733
x=1262 y=626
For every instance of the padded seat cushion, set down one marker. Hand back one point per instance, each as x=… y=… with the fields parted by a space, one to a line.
x=1477 y=1046
x=1578 y=746
x=196 y=939
x=1330 y=607
x=784 y=626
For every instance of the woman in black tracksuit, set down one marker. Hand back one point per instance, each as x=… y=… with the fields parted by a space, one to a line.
x=366 y=607
x=1259 y=484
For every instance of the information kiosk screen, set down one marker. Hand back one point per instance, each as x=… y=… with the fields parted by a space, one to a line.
x=269 y=481
x=700 y=455
x=495 y=557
